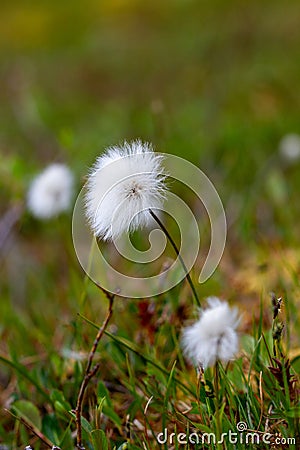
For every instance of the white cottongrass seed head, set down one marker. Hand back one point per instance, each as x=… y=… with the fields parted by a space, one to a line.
x=51 y=192
x=122 y=185
x=289 y=147
x=213 y=337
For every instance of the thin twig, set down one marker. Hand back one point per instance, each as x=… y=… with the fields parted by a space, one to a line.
x=89 y=371
x=140 y=354
x=33 y=430
x=173 y=243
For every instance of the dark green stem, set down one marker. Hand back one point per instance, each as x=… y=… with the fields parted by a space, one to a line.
x=217 y=411
x=172 y=242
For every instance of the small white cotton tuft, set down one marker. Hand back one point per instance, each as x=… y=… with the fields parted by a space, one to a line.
x=123 y=184
x=289 y=147
x=50 y=193
x=213 y=337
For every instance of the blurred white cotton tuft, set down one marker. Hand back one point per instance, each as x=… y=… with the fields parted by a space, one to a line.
x=289 y=147
x=50 y=193
x=213 y=337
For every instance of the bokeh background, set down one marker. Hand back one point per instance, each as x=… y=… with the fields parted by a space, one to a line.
x=215 y=82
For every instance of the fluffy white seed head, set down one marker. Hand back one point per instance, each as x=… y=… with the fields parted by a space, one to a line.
x=213 y=337
x=289 y=147
x=123 y=184
x=50 y=192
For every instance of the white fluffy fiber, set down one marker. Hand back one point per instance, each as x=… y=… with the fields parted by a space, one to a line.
x=213 y=337
x=50 y=192
x=289 y=147
x=123 y=184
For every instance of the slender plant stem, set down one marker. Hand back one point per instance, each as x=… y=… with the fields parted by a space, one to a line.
x=90 y=371
x=34 y=431
x=217 y=412
x=142 y=355
x=173 y=243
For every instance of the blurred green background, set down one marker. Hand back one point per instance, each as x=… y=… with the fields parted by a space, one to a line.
x=215 y=82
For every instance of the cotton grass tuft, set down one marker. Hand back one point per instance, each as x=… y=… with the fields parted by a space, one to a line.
x=122 y=185
x=213 y=337
x=51 y=192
